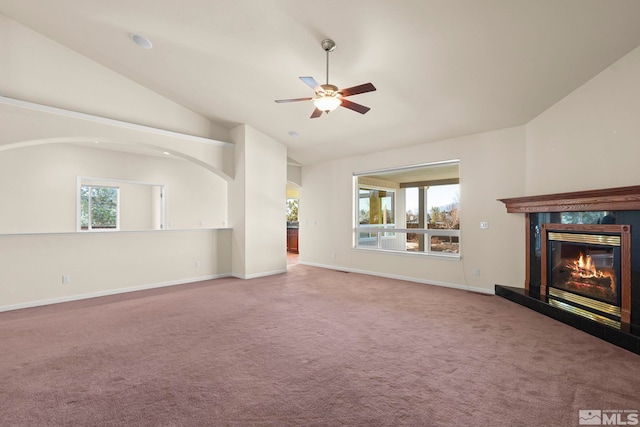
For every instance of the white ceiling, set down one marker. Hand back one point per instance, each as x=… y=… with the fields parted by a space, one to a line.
x=443 y=68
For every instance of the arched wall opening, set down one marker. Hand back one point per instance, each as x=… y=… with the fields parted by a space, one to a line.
x=39 y=184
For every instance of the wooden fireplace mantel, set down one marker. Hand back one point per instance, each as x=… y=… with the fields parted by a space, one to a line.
x=610 y=199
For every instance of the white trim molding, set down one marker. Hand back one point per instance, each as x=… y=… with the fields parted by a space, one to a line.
x=112 y=122
x=405 y=278
x=70 y=298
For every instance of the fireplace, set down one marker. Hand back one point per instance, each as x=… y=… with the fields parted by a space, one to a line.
x=586 y=270
x=582 y=259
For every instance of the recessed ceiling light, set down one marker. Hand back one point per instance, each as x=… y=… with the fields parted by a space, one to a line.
x=141 y=41
x=167 y=153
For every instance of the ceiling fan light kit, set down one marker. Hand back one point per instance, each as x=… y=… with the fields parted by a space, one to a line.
x=328 y=99
x=327 y=96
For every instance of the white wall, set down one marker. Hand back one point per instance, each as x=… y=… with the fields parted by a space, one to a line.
x=38 y=190
x=25 y=124
x=257 y=204
x=590 y=139
x=237 y=204
x=37 y=69
x=294 y=174
x=32 y=266
x=491 y=167
x=42 y=72
x=38 y=197
x=137 y=210
x=265 y=214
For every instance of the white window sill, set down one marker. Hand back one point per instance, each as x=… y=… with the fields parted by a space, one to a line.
x=441 y=256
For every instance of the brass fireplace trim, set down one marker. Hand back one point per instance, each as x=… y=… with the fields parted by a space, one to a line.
x=587 y=302
x=584 y=313
x=590 y=239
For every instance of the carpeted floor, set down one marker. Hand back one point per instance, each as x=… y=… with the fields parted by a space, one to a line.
x=312 y=347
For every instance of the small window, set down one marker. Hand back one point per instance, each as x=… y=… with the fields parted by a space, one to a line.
x=376 y=206
x=111 y=204
x=99 y=207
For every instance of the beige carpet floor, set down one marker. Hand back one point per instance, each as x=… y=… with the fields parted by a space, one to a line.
x=312 y=347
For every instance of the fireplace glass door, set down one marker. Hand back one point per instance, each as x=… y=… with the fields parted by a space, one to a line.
x=589 y=270
x=585 y=269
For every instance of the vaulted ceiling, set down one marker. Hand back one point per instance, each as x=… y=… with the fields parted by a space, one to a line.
x=442 y=68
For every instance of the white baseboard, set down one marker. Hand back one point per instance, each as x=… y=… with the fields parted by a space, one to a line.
x=78 y=297
x=405 y=278
x=256 y=275
x=69 y=298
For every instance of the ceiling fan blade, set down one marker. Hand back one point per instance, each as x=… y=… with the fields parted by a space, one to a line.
x=316 y=113
x=293 y=100
x=367 y=87
x=311 y=82
x=353 y=106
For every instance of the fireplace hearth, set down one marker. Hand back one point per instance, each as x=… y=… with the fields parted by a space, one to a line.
x=583 y=261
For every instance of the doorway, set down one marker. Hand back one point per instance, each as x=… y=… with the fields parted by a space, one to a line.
x=293 y=194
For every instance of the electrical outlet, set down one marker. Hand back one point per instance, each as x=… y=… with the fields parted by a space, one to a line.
x=197 y=264
x=66 y=279
x=476 y=271
x=484 y=225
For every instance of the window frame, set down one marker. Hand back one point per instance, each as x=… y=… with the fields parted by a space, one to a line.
x=378 y=188
x=89 y=206
x=429 y=233
x=84 y=181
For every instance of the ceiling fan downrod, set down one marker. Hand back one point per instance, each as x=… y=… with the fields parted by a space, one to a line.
x=329 y=46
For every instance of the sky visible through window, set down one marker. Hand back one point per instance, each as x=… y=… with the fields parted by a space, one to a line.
x=439 y=196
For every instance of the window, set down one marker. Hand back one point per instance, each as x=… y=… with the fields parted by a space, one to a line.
x=376 y=206
x=292 y=211
x=99 y=207
x=411 y=209
x=111 y=204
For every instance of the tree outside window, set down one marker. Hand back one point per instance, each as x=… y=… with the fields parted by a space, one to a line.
x=98 y=207
x=292 y=210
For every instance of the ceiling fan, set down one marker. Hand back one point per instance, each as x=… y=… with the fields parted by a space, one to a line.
x=327 y=96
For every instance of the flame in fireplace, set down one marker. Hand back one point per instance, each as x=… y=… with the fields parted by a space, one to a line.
x=588 y=277
x=585 y=268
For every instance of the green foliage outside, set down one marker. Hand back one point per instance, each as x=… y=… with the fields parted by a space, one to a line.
x=292 y=210
x=104 y=207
